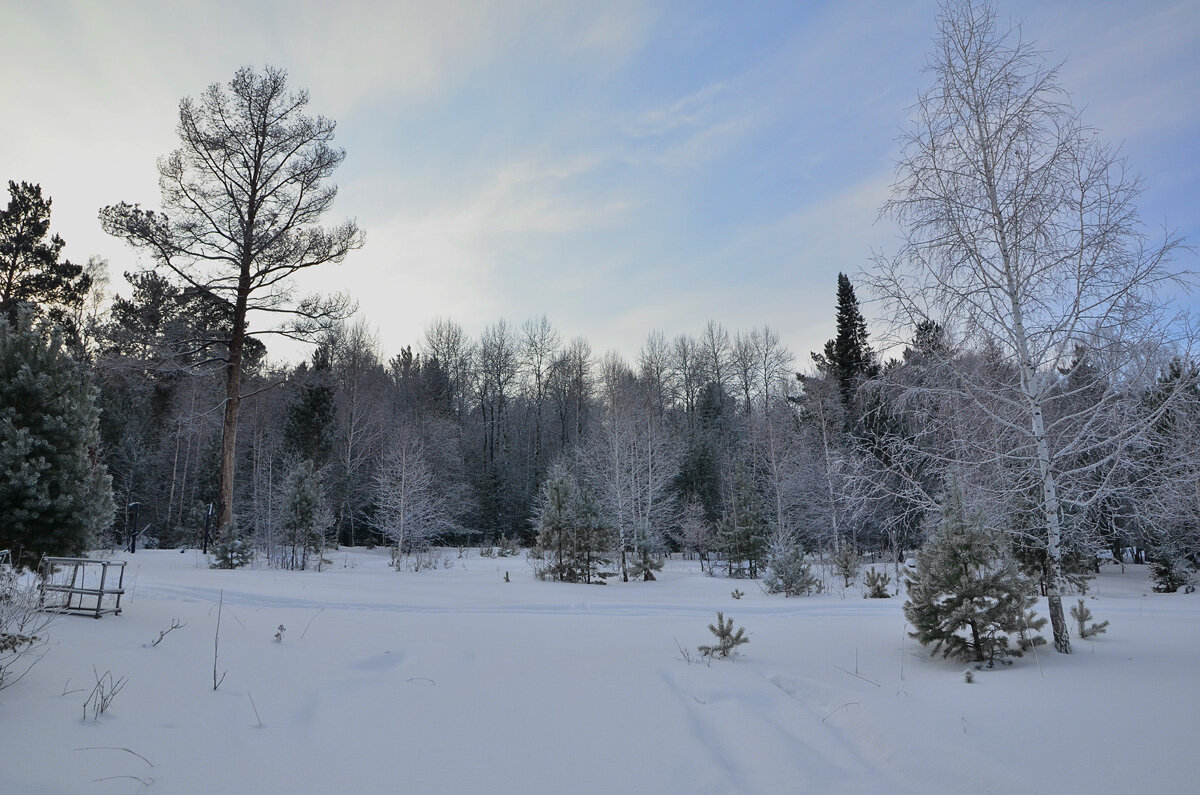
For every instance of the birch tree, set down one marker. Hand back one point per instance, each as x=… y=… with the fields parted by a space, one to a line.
x=360 y=424
x=539 y=344
x=410 y=509
x=631 y=463
x=1021 y=235
x=447 y=344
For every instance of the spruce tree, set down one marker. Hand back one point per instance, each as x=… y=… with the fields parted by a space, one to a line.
x=968 y=599
x=55 y=494
x=307 y=429
x=847 y=357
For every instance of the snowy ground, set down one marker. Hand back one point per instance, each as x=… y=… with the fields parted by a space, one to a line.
x=456 y=681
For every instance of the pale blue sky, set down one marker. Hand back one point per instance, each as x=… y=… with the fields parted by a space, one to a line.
x=620 y=167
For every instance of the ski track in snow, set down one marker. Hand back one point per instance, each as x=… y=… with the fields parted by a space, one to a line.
x=789 y=608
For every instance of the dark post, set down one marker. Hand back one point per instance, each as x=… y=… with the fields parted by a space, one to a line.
x=204 y=532
x=133 y=534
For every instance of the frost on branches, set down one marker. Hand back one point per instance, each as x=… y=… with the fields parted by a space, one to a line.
x=574 y=539
x=968 y=599
x=55 y=495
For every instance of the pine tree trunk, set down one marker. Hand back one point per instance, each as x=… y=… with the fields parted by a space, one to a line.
x=233 y=402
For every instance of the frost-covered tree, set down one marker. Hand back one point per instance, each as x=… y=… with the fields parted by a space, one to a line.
x=233 y=551
x=1023 y=238
x=631 y=464
x=55 y=494
x=695 y=534
x=727 y=640
x=831 y=508
x=787 y=572
x=360 y=420
x=23 y=624
x=968 y=599
x=410 y=510
x=304 y=517
x=574 y=539
x=875 y=584
x=1169 y=572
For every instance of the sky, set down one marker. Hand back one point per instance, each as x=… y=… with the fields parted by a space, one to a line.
x=620 y=167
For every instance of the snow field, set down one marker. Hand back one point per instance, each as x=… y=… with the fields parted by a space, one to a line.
x=455 y=681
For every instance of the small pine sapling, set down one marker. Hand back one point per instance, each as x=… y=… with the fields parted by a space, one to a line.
x=1031 y=622
x=1082 y=616
x=789 y=573
x=876 y=583
x=233 y=552
x=1169 y=573
x=737 y=594
x=727 y=640
x=845 y=563
x=967 y=598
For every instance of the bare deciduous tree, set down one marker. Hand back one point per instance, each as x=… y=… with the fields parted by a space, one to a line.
x=1023 y=238
x=410 y=509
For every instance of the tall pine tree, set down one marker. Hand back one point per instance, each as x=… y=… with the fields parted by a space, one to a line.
x=31 y=271
x=55 y=495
